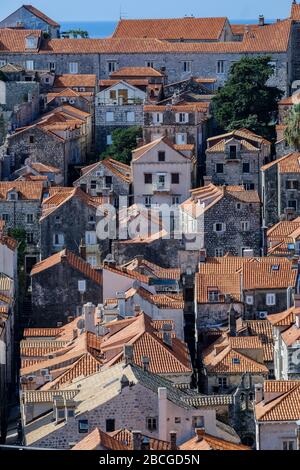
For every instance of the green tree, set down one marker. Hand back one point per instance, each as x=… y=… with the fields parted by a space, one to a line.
x=124 y=142
x=292 y=132
x=246 y=100
x=75 y=33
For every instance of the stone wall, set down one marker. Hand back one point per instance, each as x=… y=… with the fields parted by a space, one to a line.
x=29 y=21
x=55 y=295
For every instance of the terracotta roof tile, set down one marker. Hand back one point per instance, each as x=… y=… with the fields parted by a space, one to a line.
x=75 y=81
x=286 y=318
x=136 y=72
x=125 y=437
x=208 y=442
x=41 y=332
x=278 y=274
x=283 y=407
x=74 y=261
x=98 y=438
x=288 y=164
x=295 y=12
x=175 y=28
x=9 y=242
x=27 y=190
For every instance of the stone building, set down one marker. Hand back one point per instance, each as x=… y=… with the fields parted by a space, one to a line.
x=161 y=174
x=34 y=171
x=128 y=390
x=60 y=138
x=226 y=217
x=29 y=17
x=283 y=239
x=280 y=184
x=59 y=210
x=118 y=105
x=20 y=208
x=236 y=158
x=108 y=177
x=86 y=83
x=277 y=415
x=286 y=332
x=60 y=286
x=183 y=123
x=180 y=59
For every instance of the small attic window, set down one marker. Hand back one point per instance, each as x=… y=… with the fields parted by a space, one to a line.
x=236 y=361
x=12 y=196
x=275 y=267
x=31 y=42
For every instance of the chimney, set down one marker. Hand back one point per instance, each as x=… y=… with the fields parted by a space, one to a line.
x=200 y=433
x=89 y=317
x=82 y=250
x=162 y=413
x=145 y=444
x=99 y=311
x=139 y=142
x=136 y=440
x=137 y=310
x=261 y=20
x=121 y=303
x=297 y=317
x=167 y=334
x=207 y=180
x=146 y=363
x=173 y=440
x=202 y=256
x=128 y=354
x=259 y=393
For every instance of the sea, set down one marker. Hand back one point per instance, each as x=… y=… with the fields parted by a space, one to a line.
x=103 y=29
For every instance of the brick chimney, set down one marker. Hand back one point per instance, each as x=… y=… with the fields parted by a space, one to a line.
x=259 y=393
x=128 y=354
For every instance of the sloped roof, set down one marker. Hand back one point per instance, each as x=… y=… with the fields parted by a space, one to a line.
x=27 y=190
x=176 y=28
x=75 y=80
x=72 y=260
x=136 y=72
x=98 y=438
x=224 y=284
x=285 y=406
x=125 y=436
x=288 y=164
x=41 y=15
x=208 y=442
x=286 y=318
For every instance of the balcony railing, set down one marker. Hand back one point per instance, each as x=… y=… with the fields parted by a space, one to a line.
x=161 y=187
x=233 y=156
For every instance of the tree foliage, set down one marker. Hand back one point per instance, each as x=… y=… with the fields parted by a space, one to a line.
x=246 y=100
x=124 y=141
x=292 y=132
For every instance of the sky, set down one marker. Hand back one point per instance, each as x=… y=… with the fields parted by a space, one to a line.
x=101 y=10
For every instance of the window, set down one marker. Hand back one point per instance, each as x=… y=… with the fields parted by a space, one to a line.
x=29 y=238
x=198 y=422
x=219 y=168
x=90 y=238
x=5 y=217
x=270 y=299
x=29 y=65
x=31 y=139
x=219 y=252
x=108 y=181
x=2 y=63
x=92 y=260
x=149 y=63
x=111 y=66
x=113 y=95
x=130 y=115
x=249 y=186
x=148 y=178
x=148 y=201
x=187 y=66
x=249 y=299
x=161 y=156
x=181 y=138
x=58 y=239
x=175 y=178
x=57 y=219
x=29 y=219
x=177 y=420
x=236 y=361
x=93 y=184
x=213 y=295
x=151 y=424
x=220 y=66
x=12 y=196
x=292 y=184
x=246 y=167
x=52 y=66
x=157 y=118
x=110 y=116
x=31 y=42
x=182 y=117
x=238 y=206
x=82 y=286
x=73 y=67
x=109 y=139
x=176 y=200
x=83 y=426
x=222 y=382
x=232 y=151
x=219 y=227
x=245 y=226
x=61 y=413
x=110 y=425
x=71 y=413
x=288 y=445
x=292 y=204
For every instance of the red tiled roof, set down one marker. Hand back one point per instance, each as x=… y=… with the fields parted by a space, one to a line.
x=288 y=164
x=10 y=242
x=27 y=190
x=208 y=442
x=175 y=28
x=74 y=261
x=125 y=437
x=98 y=438
x=286 y=318
x=135 y=72
x=295 y=12
x=285 y=406
x=41 y=15
x=75 y=80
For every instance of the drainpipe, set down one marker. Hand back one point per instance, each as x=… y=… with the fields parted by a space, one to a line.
x=289 y=296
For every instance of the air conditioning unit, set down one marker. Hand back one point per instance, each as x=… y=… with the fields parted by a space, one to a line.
x=31 y=378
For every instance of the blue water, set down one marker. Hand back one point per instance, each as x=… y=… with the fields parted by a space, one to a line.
x=102 y=29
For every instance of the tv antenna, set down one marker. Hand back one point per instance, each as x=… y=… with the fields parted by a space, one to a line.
x=123 y=14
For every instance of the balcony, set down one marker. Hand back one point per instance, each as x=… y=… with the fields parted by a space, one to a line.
x=161 y=187
x=232 y=156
